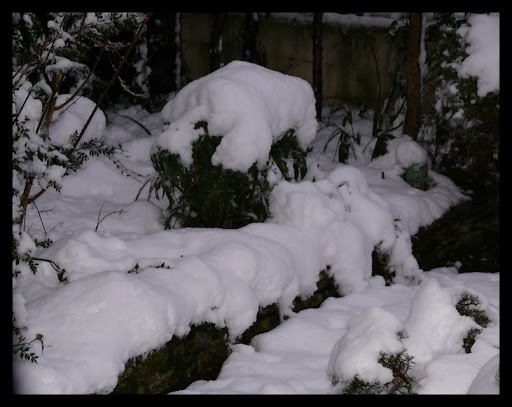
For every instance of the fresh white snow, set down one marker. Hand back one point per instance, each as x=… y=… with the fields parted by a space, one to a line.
x=105 y=315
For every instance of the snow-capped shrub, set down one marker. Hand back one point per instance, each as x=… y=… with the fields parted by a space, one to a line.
x=462 y=131
x=380 y=366
x=55 y=128
x=208 y=195
x=473 y=305
x=231 y=136
x=435 y=319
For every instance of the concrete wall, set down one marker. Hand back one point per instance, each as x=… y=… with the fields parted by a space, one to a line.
x=349 y=64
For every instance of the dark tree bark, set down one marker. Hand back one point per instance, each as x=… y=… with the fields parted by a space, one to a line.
x=317 y=62
x=413 y=77
x=162 y=55
x=215 y=38
x=250 y=37
x=178 y=61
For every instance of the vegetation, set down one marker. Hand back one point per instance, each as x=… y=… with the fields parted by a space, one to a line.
x=179 y=362
x=345 y=140
x=461 y=133
x=21 y=347
x=52 y=55
x=66 y=53
x=386 y=113
x=402 y=383
x=207 y=195
x=458 y=128
x=400 y=363
x=470 y=305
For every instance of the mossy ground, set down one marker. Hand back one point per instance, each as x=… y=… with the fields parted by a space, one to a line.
x=181 y=361
x=201 y=354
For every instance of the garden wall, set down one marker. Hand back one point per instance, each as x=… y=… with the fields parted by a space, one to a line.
x=351 y=54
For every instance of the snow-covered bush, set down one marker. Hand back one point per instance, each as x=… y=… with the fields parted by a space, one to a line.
x=55 y=127
x=462 y=131
x=379 y=354
x=379 y=367
x=474 y=306
x=232 y=135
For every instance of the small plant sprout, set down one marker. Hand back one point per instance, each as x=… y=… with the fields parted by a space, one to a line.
x=22 y=347
x=108 y=214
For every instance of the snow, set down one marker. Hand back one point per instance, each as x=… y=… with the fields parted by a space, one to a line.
x=73 y=117
x=356 y=353
x=484 y=52
x=409 y=153
x=132 y=285
x=239 y=103
x=434 y=326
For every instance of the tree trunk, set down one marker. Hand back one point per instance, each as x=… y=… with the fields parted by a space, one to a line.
x=413 y=77
x=317 y=62
x=250 y=37
x=162 y=56
x=216 y=41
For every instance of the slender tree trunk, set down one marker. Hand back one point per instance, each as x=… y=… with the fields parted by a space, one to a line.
x=413 y=77
x=216 y=41
x=250 y=37
x=162 y=55
x=178 y=61
x=317 y=62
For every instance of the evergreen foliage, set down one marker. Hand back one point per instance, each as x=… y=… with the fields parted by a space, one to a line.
x=402 y=383
x=207 y=195
x=400 y=363
x=470 y=305
x=462 y=131
x=53 y=54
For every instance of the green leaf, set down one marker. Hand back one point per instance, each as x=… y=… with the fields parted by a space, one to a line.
x=140 y=124
x=381 y=145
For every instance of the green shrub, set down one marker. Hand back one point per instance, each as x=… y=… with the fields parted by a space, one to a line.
x=463 y=129
x=402 y=382
x=207 y=195
x=468 y=305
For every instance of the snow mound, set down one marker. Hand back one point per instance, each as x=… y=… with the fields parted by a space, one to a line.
x=73 y=118
x=248 y=105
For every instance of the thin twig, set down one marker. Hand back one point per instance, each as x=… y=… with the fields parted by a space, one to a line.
x=105 y=91
x=50 y=108
x=80 y=87
x=32 y=59
x=41 y=219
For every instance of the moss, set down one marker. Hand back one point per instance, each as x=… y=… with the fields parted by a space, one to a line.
x=326 y=287
x=201 y=354
x=380 y=266
x=180 y=362
x=268 y=318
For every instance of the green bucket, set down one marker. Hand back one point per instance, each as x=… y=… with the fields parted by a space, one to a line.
x=416 y=175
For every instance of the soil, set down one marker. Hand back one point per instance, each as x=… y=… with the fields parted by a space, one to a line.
x=467 y=235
